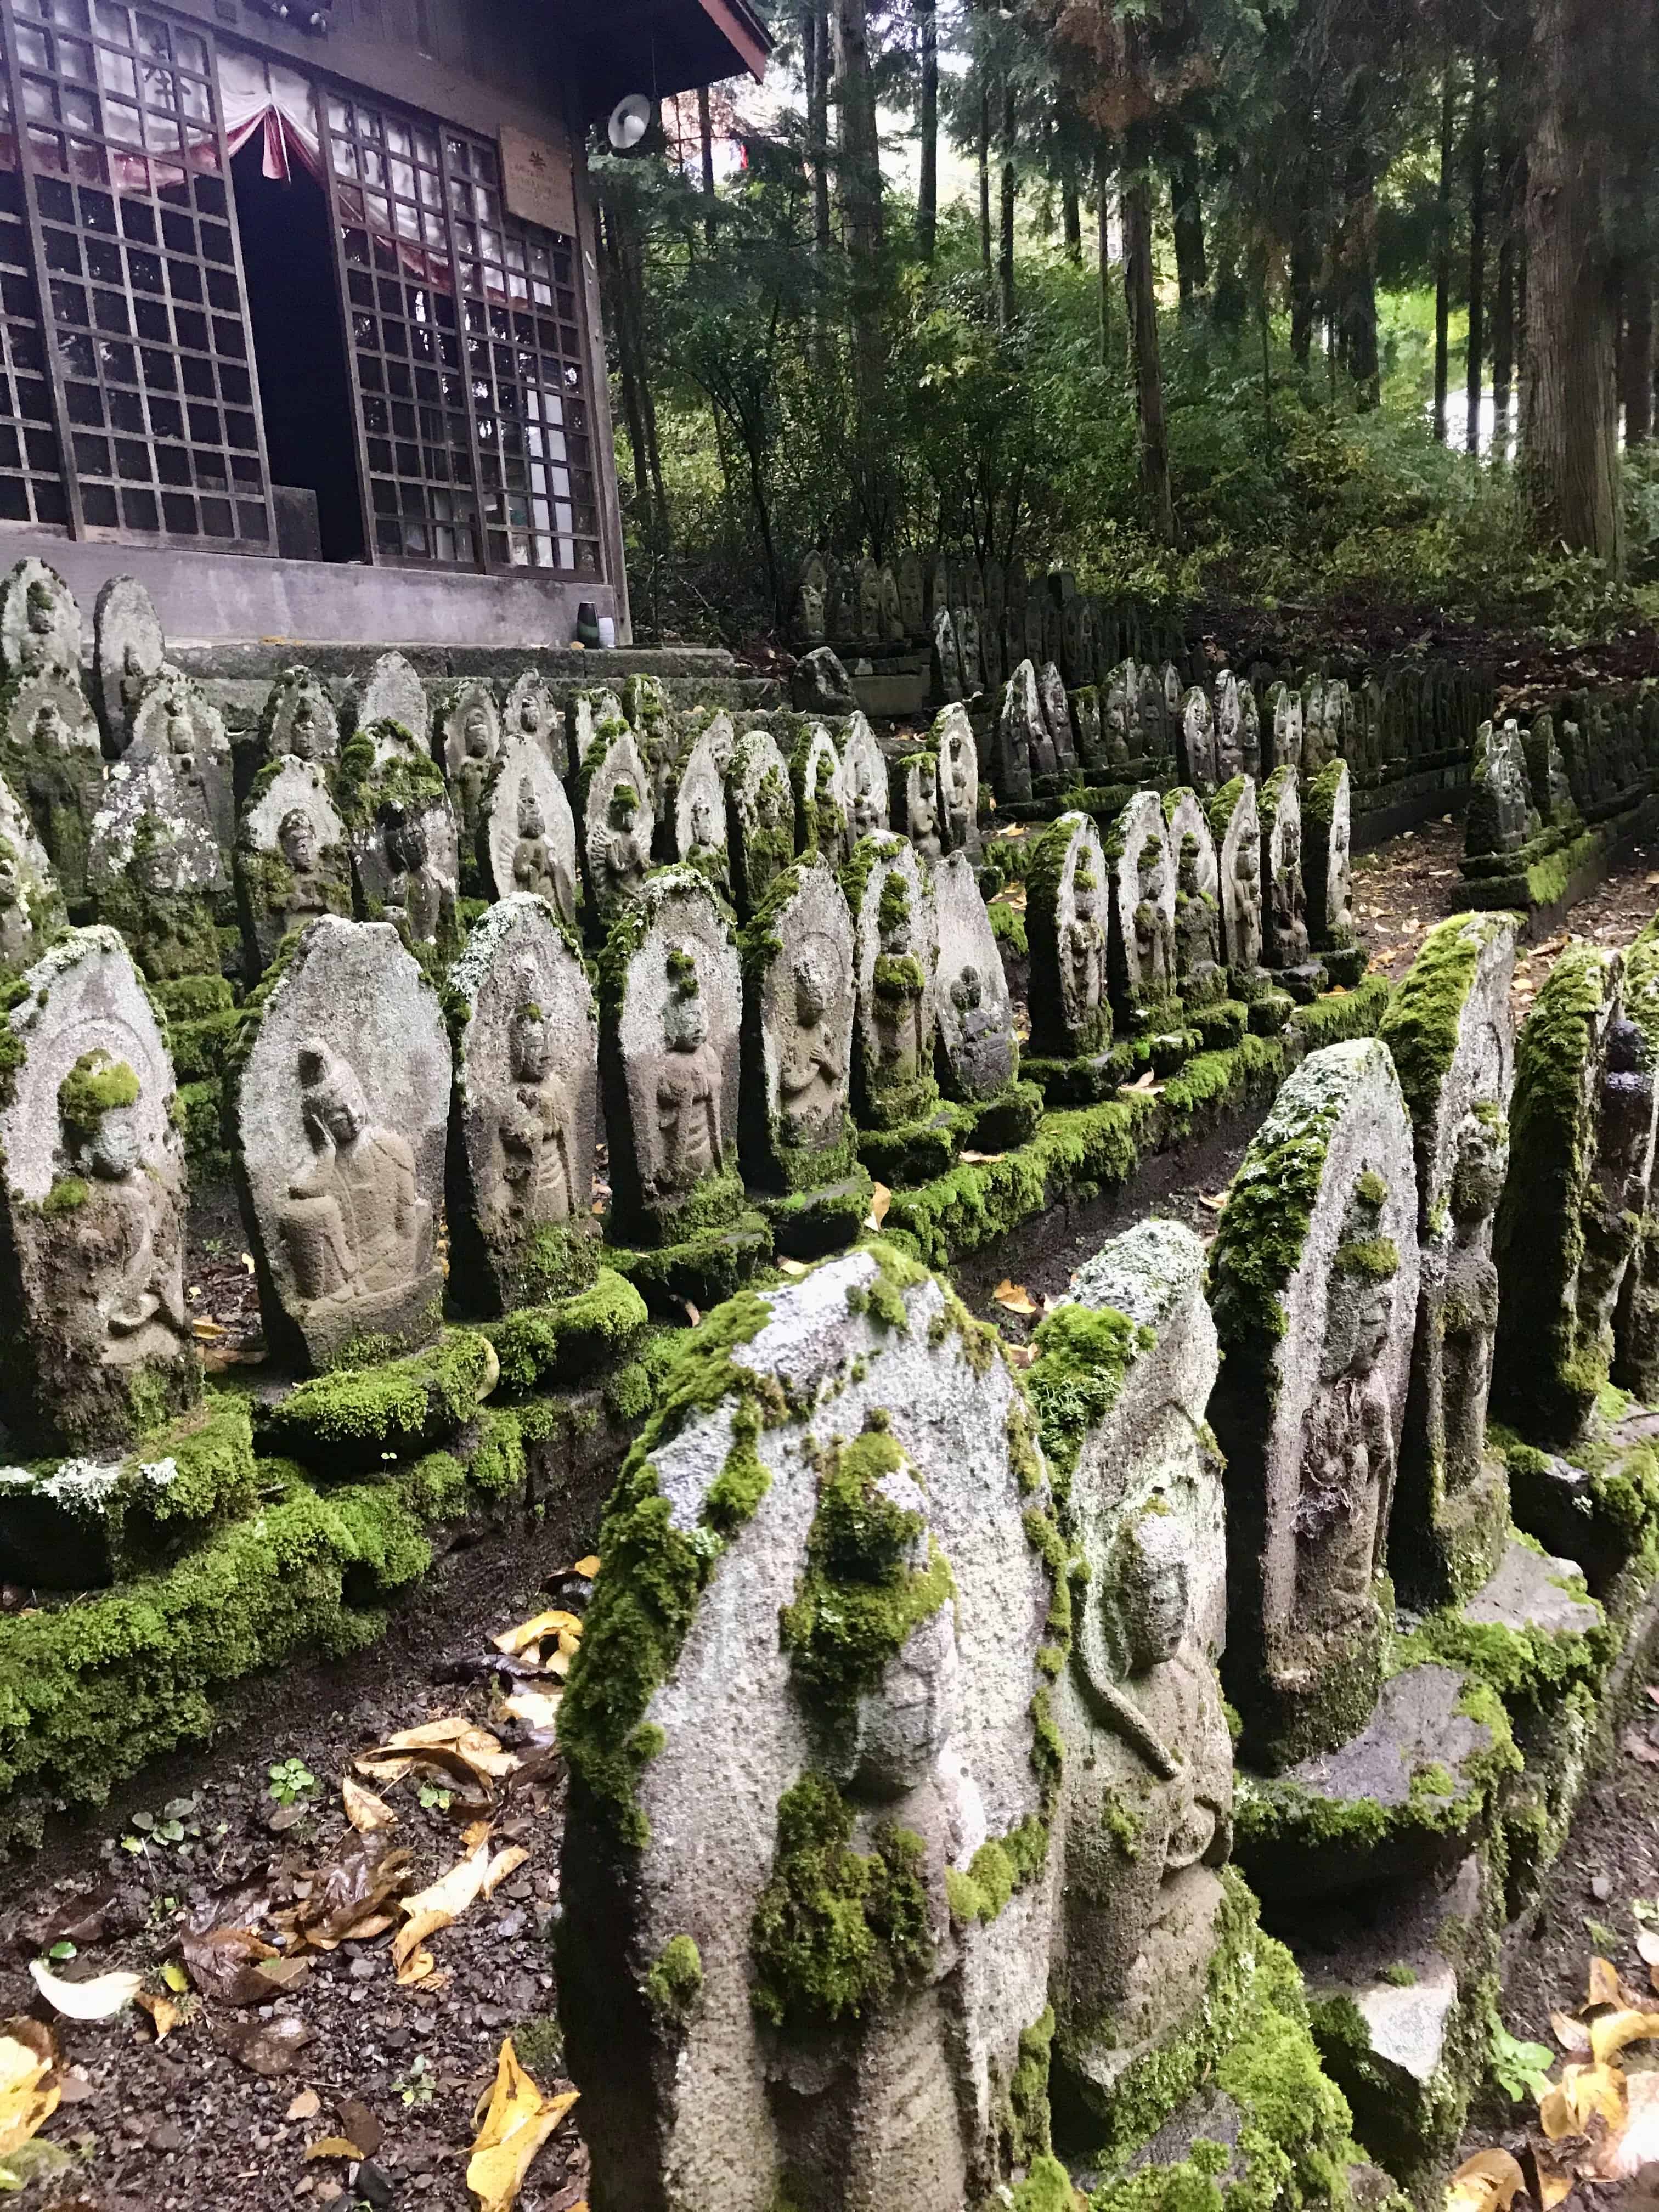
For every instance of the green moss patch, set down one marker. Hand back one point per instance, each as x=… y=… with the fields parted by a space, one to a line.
x=571 y=1341
x=362 y=1416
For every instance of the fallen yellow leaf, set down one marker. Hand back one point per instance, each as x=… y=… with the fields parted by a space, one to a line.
x=176 y=1979
x=1553 y=2188
x=1605 y=1986
x=983 y=1159
x=588 y=1567
x=504 y=1863
x=162 y=2011
x=793 y=1269
x=29 y=2083
x=880 y=1201
x=1147 y=1084
x=537 y=1709
x=1583 y=2092
x=1488 y=2182
x=517 y=2122
x=514 y=1640
x=1016 y=1297
x=1611 y=2031
x=1632 y=2143
x=331 y=2146
x=450 y=1739
x=365 y=1811
x=440 y=1907
x=1571 y=2034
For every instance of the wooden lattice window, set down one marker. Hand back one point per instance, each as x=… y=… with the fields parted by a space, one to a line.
x=476 y=442
x=123 y=155
x=31 y=468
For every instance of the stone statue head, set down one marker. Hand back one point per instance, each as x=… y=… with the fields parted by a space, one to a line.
x=966 y=989
x=181 y=732
x=531 y=821
x=40 y=605
x=904 y=1723
x=1151 y=1589
x=332 y=1107
x=704 y=830
x=475 y=732
x=304 y=735
x=112 y=1154
x=813 y=988
x=407 y=846
x=685 y=1017
x=1187 y=880
x=157 y=861
x=1359 y=1301
x=1148 y=868
x=624 y=804
x=49 y=732
x=527 y=1033
x=771 y=802
x=530 y=714
x=1481 y=1164
x=296 y=837
x=1289 y=845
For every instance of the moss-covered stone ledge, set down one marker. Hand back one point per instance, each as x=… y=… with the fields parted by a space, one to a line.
x=92 y=1689
x=1079 y=1153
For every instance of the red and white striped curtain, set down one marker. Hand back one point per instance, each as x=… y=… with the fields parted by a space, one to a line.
x=262 y=97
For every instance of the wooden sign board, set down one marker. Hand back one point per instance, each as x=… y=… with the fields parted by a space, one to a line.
x=538 y=180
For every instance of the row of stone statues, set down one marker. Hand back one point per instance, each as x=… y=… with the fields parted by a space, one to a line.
x=920 y=1810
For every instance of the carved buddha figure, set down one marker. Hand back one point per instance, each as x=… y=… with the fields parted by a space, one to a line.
x=924 y=810
x=415 y=894
x=1137 y=1950
x=306 y=736
x=158 y=862
x=124 y=1268
x=812 y=1069
x=1616 y=1196
x=478 y=754
x=536 y=865
x=49 y=731
x=306 y=892
x=35 y=650
x=535 y=1157
x=986 y=1050
x=956 y=788
x=1195 y=924
x=707 y=840
x=181 y=725
x=1154 y=938
x=1082 y=950
x=1339 y=882
x=810 y=610
x=1247 y=902
x=1347 y=1464
x=619 y=849
x=134 y=677
x=900 y=984
x=683 y=1090
x=868 y=812
x=354 y=1223
x=1469 y=1307
x=1289 y=901
x=533 y=714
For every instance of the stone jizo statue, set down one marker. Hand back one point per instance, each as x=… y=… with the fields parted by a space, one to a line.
x=811 y=1078
x=355 y=1224
x=688 y=1145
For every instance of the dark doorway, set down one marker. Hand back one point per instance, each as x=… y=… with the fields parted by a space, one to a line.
x=305 y=388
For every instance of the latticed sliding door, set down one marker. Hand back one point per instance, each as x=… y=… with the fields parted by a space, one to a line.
x=125 y=170
x=468 y=353
x=31 y=466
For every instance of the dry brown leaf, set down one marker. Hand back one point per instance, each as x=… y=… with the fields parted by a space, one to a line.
x=366 y=1811
x=454 y=1743
x=1020 y=1355
x=1647 y=1946
x=1611 y=2031
x=1488 y=2182
x=1581 y=2093
x=417 y=1967
x=100 y=1998
x=1553 y=2188
x=537 y=1709
x=31 y=2082
x=982 y=1159
x=1147 y=1084
x=518 y=2121
x=1215 y=1200
x=1605 y=1986
x=1571 y=2034
x=513 y=1641
x=162 y=2011
x=1016 y=1297
x=879 y=1202
x=305 y=2106
x=270 y=2047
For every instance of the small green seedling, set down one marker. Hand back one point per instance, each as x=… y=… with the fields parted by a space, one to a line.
x=417 y=2085
x=434 y=1799
x=290 y=1779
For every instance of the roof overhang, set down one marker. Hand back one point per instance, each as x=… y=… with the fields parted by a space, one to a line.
x=662 y=46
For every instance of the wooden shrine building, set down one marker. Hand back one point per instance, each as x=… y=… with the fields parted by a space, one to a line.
x=301 y=319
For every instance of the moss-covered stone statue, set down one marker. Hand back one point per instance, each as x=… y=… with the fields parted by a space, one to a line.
x=760 y=813
x=1122 y=1379
x=177 y=722
x=807 y=1871
x=976 y=1051
x=339 y=1104
x=670 y=1005
x=532 y=713
x=97 y=1344
x=526 y=836
x=1066 y=917
x=1237 y=832
x=698 y=802
x=467 y=744
x=128 y=648
x=1141 y=964
x=864 y=778
x=1198 y=976
x=645 y=707
x=891 y=902
x=1313 y=1281
x=1284 y=897
x=525 y=1114
x=1636 y=1326
x=615 y=821
x=291 y=859
x=31 y=905
x=1328 y=871
x=50 y=755
x=405 y=848
x=300 y=719
x=1581 y=1136
x=798 y=1141
x=391 y=695
x=1450 y=1033
x=154 y=870
x=957 y=781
